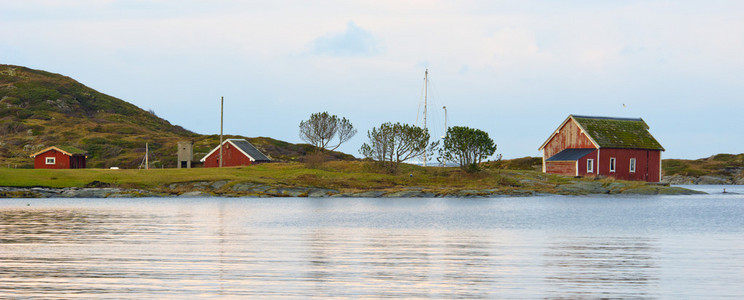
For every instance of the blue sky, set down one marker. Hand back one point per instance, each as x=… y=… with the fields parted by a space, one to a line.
x=514 y=69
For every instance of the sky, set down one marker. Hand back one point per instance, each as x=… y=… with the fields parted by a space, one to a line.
x=512 y=68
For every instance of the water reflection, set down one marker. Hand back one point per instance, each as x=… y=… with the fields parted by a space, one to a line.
x=618 y=267
x=390 y=263
x=80 y=225
x=420 y=248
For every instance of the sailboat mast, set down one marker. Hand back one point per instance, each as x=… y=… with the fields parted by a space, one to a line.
x=444 y=160
x=426 y=90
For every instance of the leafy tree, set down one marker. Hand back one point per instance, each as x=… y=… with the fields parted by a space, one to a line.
x=468 y=146
x=391 y=144
x=322 y=128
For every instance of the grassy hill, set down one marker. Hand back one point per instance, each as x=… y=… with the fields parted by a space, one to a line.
x=716 y=165
x=39 y=109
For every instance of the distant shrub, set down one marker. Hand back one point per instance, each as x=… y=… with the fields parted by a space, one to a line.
x=41 y=115
x=12 y=127
x=34 y=92
x=23 y=113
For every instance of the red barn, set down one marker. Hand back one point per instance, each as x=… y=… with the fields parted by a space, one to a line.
x=621 y=148
x=235 y=152
x=60 y=158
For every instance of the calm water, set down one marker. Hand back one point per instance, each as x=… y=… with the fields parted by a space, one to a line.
x=534 y=247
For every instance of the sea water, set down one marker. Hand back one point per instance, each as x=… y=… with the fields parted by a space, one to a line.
x=505 y=247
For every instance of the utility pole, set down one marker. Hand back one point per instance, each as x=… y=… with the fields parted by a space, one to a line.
x=222 y=108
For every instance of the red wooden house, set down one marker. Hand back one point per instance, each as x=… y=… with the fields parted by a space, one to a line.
x=59 y=158
x=621 y=148
x=235 y=152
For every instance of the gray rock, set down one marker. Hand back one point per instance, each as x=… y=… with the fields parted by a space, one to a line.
x=125 y=195
x=288 y=192
x=707 y=179
x=409 y=194
x=200 y=185
x=194 y=194
x=177 y=185
x=249 y=187
x=318 y=193
x=678 y=179
x=472 y=193
x=368 y=194
x=584 y=188
x=678 y=191
x=218 y=184
x=89 y=192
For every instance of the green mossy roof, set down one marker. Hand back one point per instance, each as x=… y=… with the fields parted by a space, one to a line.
x=618 y=132
x=71 y=150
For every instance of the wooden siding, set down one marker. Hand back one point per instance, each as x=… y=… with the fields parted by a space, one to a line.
x=568 y=136
x=61 y=160
x=231 y=157
x=583 y=164
x=561 y=167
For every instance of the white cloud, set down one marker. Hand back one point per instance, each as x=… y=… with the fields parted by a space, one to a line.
x=355 y=41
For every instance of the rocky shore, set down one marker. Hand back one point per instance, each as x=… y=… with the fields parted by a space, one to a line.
x=707 y=179
x=225 y=188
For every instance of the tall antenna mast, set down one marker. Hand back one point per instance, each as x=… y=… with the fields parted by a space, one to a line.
x=222 y=108
x=426 y=90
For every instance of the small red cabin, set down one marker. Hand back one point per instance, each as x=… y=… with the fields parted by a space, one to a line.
x=60 y=158
x=235 y=152
x=620 y=148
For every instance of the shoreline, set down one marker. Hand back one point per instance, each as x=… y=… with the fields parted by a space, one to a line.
x=255 y=190
x=331 y=179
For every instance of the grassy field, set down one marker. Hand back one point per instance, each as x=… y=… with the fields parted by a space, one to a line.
x=339 y=175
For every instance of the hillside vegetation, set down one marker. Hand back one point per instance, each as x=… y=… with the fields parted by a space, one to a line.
x=719 y=164
x=39 y=109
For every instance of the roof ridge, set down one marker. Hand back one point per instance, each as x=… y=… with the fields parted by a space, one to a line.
x=607 y=118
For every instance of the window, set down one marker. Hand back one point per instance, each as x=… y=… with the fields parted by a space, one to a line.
x=51 y=160
x=612 y=164
x=632 y=165
x=590 y=166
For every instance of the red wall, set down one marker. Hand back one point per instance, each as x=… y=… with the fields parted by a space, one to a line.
x=62 y=161
x=583 y=164
x=561 y=167
x=231 y=157
x=647 y=164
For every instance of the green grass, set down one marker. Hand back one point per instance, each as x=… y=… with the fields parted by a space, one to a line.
x=344 y=176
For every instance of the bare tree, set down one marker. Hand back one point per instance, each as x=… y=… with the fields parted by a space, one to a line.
x=322 y=128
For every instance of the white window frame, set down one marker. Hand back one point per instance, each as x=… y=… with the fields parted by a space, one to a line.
x=590 y=165
x=612 y=164
x=632 y=165
x=51 y=160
